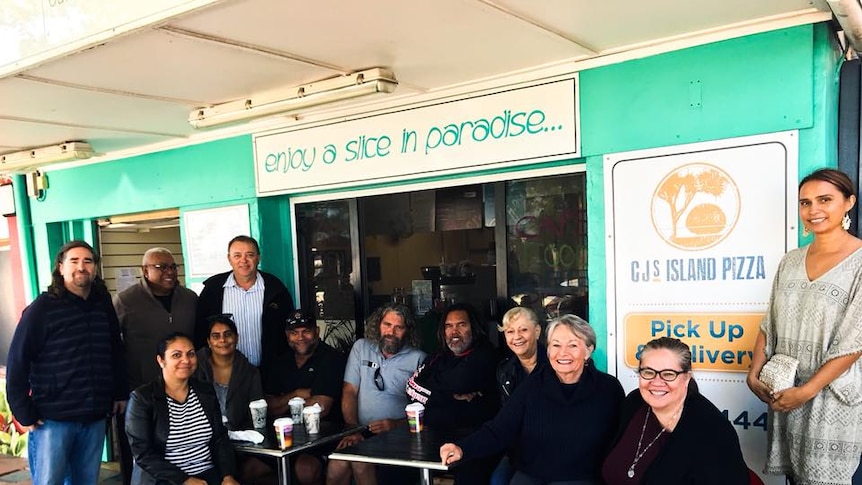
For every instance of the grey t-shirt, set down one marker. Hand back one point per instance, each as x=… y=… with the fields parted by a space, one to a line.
x=365 y=358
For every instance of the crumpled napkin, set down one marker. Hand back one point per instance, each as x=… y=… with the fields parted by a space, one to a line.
x=247 y=435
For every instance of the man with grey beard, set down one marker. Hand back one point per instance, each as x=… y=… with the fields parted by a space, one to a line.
x=458 y=384
x=374 y=381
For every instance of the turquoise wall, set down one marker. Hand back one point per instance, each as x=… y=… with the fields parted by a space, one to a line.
x=198 y=176
x=775 y=81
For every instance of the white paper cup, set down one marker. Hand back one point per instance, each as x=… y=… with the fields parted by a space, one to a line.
x=258 y=413
x=296 y=404
x=415 y=416
x=311 y=417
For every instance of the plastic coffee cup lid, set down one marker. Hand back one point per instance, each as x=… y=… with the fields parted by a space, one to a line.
x=415 y=406
x=296 y=400
x=314 y=408
x=282 y=422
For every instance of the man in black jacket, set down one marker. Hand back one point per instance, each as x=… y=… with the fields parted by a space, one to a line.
x=258 y=301
x=65 y=372
x=457 y=385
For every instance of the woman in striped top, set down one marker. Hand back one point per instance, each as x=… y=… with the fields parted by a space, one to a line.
x=174 y=424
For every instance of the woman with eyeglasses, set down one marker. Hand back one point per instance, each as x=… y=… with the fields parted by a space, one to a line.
x=235 y=380
x=174 y=424
x=562 y=417
x=669 y=432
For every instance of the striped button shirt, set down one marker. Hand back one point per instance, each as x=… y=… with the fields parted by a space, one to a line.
x=247 y=309
x=189 y=435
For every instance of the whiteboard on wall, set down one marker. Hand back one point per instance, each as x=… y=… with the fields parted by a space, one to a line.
x=694 y=237
x=206 y=235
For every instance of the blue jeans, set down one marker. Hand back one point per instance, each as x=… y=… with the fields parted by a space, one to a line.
x=66 y=451
x=503 y=473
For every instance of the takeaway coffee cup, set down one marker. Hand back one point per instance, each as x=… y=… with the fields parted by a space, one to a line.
x=311 y=416
x=415 y=415
x=296 y=404
x=258 y=413
x=283 y=432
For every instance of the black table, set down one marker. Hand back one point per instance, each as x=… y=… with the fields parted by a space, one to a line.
x=302 y=441
x=400 y=447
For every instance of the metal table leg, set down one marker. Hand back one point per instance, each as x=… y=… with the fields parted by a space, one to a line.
x=425 y=476
x=283 y=470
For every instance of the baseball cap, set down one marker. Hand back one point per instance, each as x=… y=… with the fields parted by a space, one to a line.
x=298 y=320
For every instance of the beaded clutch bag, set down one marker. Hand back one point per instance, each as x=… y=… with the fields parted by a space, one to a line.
x=779 y=373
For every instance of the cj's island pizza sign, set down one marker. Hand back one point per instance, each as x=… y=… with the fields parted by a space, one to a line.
x=693 y=208
x=695 y=234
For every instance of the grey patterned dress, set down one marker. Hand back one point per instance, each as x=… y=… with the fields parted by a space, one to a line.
x=816 y=321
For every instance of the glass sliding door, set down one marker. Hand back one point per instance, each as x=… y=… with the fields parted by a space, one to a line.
x=327 y=269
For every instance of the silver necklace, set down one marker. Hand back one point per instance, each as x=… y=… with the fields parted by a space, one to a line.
x=639 y=454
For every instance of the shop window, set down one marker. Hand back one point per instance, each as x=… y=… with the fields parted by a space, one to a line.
x=547 y=244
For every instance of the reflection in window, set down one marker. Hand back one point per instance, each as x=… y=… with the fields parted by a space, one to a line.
x=547 y=244
x=323 y=230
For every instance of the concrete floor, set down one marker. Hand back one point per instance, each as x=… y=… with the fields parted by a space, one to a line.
x=13 y=471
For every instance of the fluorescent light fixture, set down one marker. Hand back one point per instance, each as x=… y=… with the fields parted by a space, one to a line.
x=282 y=101
x=29 y=160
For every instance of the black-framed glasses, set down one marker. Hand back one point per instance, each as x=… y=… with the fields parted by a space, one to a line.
x=164 y=267
x=667 y=375
x=378 y=379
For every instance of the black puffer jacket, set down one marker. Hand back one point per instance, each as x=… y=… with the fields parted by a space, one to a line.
x=147 y=428
x=510 y=373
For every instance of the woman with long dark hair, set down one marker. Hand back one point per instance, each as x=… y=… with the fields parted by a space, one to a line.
x=815 y=317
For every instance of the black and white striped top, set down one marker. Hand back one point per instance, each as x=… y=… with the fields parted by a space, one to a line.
x=189 y=435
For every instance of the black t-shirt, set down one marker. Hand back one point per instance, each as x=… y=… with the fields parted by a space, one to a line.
x=323 y=373
x=165 y=301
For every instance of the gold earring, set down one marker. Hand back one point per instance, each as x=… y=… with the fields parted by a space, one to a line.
x=805 y=231
x=845 y=222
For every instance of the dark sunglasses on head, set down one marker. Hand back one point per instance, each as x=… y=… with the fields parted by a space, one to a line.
x=221 y=317
x=378 y=379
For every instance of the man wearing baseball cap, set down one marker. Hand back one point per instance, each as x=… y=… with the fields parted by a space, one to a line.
x=312 y=370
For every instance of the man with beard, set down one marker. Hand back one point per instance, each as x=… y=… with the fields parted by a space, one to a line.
x=65 y=372
x=373 y=394
x=312 y=370
x=148 y=311
x=458 y=384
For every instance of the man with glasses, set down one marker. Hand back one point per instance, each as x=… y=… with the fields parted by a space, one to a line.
x=313 y=371
x=156 y=306
x=374 y=381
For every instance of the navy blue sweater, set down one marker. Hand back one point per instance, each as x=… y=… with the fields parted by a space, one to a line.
x=562 y=431
x=67 y=351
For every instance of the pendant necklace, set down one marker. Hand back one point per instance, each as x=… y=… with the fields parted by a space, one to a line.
x=639 y=454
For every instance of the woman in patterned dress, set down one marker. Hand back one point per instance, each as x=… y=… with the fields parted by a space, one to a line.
x=815 y=316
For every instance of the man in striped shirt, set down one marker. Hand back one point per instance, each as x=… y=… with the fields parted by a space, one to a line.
x=258 y=301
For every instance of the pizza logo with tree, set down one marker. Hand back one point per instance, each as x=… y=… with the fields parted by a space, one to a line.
x=695 y=206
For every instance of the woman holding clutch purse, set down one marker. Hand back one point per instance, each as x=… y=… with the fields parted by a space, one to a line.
x=815 y=317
